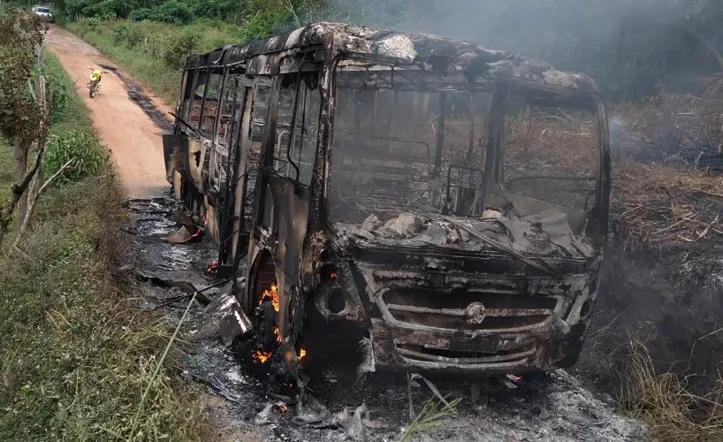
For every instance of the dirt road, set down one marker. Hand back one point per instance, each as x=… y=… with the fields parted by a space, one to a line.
x=124 y=126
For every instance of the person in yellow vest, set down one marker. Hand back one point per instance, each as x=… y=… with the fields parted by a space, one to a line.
x=96 y=75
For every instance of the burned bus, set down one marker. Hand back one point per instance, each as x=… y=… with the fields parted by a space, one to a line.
x=447 y=200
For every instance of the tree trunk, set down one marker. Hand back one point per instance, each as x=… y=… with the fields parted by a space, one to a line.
x=38 y=181
x=20 y=154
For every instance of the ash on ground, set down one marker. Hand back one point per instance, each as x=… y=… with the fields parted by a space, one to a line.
x=252 y=401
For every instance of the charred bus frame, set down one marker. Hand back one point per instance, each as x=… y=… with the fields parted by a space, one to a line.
x=224 y=161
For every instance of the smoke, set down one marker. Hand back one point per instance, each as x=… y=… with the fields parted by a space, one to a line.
x=628 y=46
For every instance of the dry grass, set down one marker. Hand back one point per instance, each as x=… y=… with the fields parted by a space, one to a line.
x=433 y=416
x=565 y=141
x=660 y=195
x=665 y=402
x=660 y=203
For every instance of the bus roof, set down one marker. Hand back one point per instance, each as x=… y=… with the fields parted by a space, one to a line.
x=429 y=52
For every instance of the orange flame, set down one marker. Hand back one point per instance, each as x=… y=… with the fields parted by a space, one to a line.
x=273 y=295
x=302 y=354
x=261 y=357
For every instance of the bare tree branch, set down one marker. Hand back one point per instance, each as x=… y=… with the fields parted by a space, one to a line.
x=20 y=195
x=16 y=193
x=33 y=198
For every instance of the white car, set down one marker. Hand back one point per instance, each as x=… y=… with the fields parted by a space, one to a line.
x=43 y=12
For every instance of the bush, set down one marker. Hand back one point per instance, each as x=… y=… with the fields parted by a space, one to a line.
x=180 y=48
x=141 y=14
x=135 y=36
x=90 y=158
x=120 y=34
x=93 y=23
x=172 y=12
x=130 y=35
x=59 y=105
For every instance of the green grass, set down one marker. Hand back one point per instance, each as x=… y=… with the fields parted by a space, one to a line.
x=7 y=170
x=152 y=52
x=76 y=354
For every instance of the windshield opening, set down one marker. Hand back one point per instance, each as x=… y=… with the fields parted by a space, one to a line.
x=399 y=136
x=410 y=165
x=550 y=163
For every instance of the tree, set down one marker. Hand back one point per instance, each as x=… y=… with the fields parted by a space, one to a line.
x=24 y=105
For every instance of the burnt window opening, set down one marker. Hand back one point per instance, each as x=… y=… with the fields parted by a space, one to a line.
x=210 y=103
x=283 y=164
x=259 y=114
x=186 y=91
x=550 y=160
x=399 y=137
x=195 y=100
x=300 y=129
x=295 y=127
x=410 y=146
x=189 y=99
x=230 y=109
x=258 y=123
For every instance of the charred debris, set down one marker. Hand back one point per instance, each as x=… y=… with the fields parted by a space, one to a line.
x=375 y=179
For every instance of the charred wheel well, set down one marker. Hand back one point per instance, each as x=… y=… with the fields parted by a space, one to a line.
x=263 y=275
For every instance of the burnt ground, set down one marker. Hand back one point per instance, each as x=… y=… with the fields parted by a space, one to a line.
x=246 y=401
x=666 y=296
x=669 y=299
x=138 y=96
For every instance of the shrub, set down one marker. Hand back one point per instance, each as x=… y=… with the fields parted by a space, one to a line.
x=180 y=48
x=93 y=23
x=89 y=156
x=135 y=36
x=59 y=105
x=120 y=34
x=130 y=35
x=172 y=12
x=140 y=14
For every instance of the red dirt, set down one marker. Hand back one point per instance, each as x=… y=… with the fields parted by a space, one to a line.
x=130 y=134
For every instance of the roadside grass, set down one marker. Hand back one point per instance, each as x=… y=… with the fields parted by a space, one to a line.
x=153 y=52
x=76 y=353
x=432 y=417
x=664 y=401
x=7 y=170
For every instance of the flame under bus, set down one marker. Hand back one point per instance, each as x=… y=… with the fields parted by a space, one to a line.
x=449 y=201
